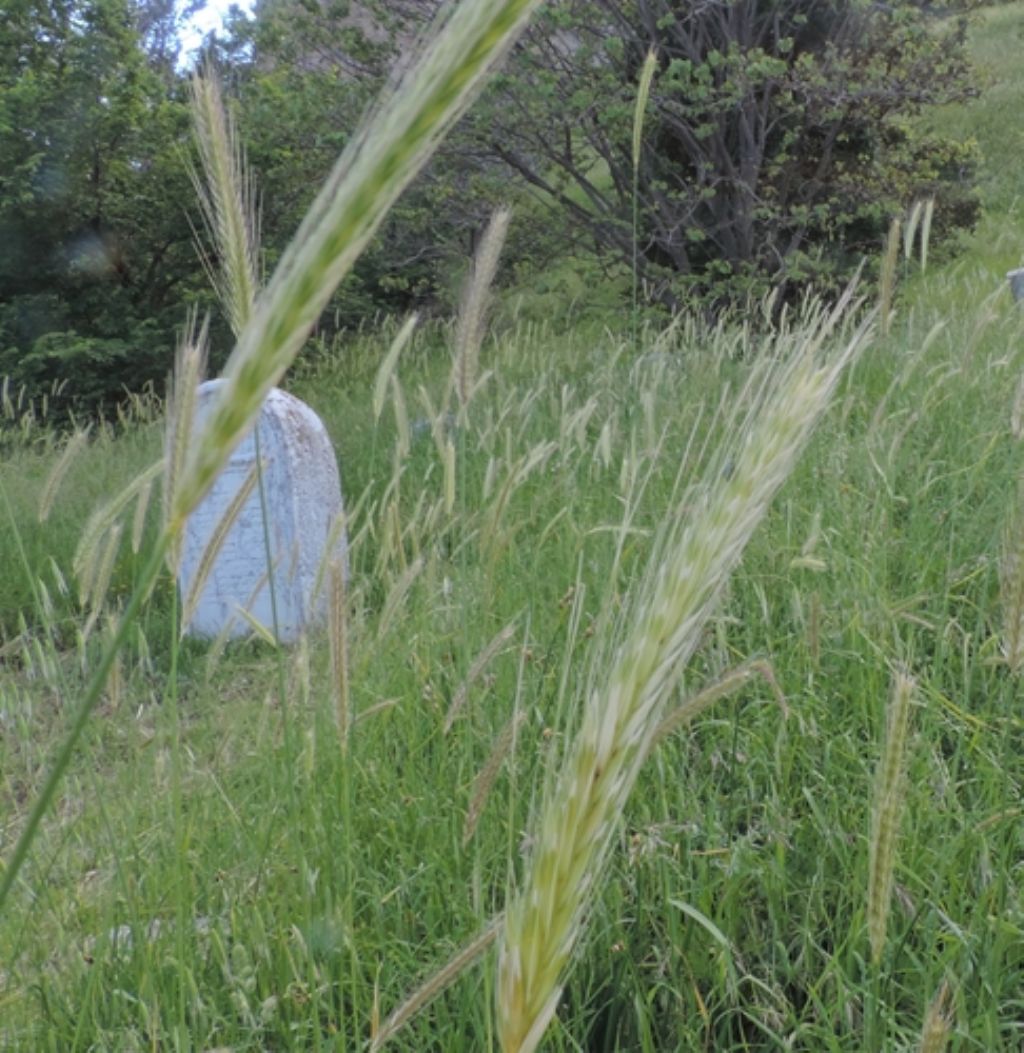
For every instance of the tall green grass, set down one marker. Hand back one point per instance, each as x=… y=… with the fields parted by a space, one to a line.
x=372 y=172
x=735 y=899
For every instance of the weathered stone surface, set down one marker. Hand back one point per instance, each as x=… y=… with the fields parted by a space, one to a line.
x=303 y=503
x=1017 y=283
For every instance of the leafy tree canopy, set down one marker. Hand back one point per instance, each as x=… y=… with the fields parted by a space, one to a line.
x=780 y=135
x=95 y=247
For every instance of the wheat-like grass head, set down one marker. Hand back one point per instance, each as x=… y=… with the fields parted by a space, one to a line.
x=624 y=710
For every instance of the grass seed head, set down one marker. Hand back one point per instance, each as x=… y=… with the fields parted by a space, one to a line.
x=938 y=1022
x=337 y=631
x=488 y=775
x=470 y=326
x=643 y=93
x=227 y=197
x=381 y=160
x=1011 y=586
x=72 y=449
x=624 y=709
x=887 y=810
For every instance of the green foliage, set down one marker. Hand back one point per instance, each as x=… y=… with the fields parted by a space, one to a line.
x=88 y=372
x=779 y=139
x=95 y=249
x=303 y=74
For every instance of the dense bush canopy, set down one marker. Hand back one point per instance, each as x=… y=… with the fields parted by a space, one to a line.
x=779 y=139
x=779 y=136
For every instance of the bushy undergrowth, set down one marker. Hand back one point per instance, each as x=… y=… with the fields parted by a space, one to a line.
x=780 y=138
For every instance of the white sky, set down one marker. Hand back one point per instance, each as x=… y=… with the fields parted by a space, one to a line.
x=211 y=17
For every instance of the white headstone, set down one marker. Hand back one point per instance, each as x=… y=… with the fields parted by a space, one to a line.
x=302 y=496
x=1017 y=283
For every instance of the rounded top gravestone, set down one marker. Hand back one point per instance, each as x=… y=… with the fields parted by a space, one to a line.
x=1016 y=278
x=302 y=497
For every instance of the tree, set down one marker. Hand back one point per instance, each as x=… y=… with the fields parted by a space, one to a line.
x=780 y=135
x=96 y=250
x=159 y=25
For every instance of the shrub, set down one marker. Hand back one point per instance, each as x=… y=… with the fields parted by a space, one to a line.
x=779 y=138
x=87 y=374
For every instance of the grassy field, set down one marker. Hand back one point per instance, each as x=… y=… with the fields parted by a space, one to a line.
x=221 y=871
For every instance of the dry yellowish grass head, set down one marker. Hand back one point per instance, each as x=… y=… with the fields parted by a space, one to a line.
x=887 y=811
